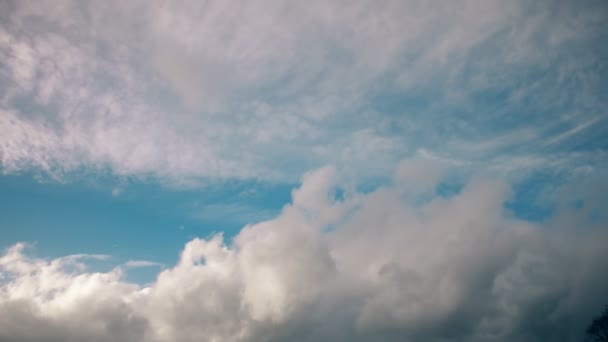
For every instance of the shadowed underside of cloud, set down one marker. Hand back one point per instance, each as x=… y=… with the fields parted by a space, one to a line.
x=367 y=267
x=184 y=91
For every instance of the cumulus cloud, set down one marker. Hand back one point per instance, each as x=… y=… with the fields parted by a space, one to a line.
x=451 y=269
x=184 y=91
x=51 y=301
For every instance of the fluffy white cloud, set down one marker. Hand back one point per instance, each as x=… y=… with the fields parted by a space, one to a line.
x=184 y=91
x=55 y=301
x=451 y=269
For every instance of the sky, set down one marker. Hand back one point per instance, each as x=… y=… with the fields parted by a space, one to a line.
x=175 y=171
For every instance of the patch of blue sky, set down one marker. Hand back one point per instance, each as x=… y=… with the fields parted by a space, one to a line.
x=528 y=201
x=141 y=221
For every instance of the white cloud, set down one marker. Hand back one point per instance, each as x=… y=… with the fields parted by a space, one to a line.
x=142 y=263
x=421 y=173
x=573 y=131
x=182 y=93
x=43 y=300
x=452 y=269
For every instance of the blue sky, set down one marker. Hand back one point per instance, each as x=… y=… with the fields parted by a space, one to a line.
x=113 y=222
x=384 y=166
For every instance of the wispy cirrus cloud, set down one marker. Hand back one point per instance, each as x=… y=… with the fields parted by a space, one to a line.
x=142 y=263
x=192 y=91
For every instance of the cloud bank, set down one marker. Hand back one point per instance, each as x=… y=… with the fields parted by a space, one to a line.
x=371 y=266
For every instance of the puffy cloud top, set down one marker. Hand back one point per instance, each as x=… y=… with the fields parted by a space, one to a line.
x=456 y=268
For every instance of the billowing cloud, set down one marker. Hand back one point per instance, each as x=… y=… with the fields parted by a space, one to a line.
x=367 y=267
x=187 y=91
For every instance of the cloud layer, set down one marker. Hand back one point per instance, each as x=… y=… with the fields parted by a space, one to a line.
x=184 y=91
x=369 y=267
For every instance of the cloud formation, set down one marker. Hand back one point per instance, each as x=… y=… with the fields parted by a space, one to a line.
x=184 y=91
x=369 y=267
x=188 y=92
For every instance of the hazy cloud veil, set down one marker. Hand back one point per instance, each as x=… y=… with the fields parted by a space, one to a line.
x=271 y=89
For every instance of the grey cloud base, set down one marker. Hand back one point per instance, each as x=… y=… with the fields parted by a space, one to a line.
x=370 y=267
